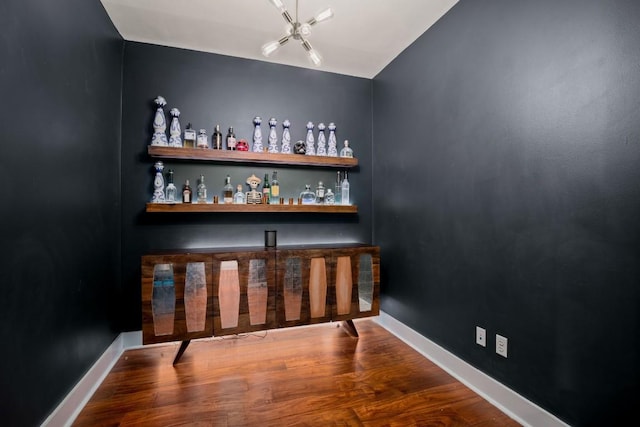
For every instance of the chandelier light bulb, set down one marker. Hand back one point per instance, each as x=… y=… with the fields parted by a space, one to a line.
x=270 y=47
x=315 y=58
x=322 y=16
x=278 y=4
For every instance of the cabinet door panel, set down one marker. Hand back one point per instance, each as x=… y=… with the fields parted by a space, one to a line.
x=318 y=287
x=244 y=292
x=169 y=310
x=258 y=291
x=355 y=286
x=302 y=287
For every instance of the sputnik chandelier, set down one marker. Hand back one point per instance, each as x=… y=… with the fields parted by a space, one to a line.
x=297 y=31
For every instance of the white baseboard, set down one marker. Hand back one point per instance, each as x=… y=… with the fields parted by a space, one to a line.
x=515 y=406
x=68 y=410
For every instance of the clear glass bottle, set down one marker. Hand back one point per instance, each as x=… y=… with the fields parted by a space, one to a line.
x=337 y=189
x=346 y=151
x=227 y=191
x=171 y=190
x=187 y=193
x=231 y=139
x=329 y=198
x=307 y=197
x=345 y=189
x=320 y=193
x=202 y=141
x=239 y=198
x=202 y=191
x=216 y=138
x=275 y=188
x=189 y=137
x=266 y=189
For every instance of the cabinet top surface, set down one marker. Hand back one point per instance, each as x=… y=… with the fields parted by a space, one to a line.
x=259 y=248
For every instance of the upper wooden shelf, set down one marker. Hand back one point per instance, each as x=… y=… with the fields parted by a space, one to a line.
x=249 y=157
x=261 y=208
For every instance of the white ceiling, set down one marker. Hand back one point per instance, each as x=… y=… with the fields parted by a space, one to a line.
x=361 y=39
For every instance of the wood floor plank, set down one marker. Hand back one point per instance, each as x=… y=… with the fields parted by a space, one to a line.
x=307 y=376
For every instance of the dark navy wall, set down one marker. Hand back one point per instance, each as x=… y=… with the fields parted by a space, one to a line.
x=211 y=89
x=60 y=80
x=506 y=153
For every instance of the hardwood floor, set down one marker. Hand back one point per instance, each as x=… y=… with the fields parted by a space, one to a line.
x=307 y=376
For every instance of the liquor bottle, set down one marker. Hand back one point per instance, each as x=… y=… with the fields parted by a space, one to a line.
x=307 y=197
x=189 y=137
x=202 y=191
x=239 y=198
x=273 y=138
x=227 y=192
x=216 y=139
x=337 y=192
x=320 y=193
x=231 y=139
x=202 y=141
x=266 y=189
x=345 y=189
x=174 y=130
x=275 y=188
x=158 y=184
x=322 y=141
x=171 y=188
x=310 y=149
x=257 y=135
x=346 y=151
x=187 y=193
x=329 y=198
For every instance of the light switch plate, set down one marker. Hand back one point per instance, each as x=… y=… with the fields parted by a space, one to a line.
x=501 y=345
x=481 y=336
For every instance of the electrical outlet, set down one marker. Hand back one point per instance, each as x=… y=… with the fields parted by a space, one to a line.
x=501 y=345
x=481 y=336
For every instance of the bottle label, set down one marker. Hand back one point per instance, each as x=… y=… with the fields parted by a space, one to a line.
x=186 y=197
x=275 y=191
x=231 y=143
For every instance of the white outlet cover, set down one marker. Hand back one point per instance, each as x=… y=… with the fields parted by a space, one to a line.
x=481 y=336
x=501 y=345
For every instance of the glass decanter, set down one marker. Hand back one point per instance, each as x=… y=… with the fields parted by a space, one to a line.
x=307 y=197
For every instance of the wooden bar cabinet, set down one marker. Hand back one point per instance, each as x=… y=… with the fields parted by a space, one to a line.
x=224 y=291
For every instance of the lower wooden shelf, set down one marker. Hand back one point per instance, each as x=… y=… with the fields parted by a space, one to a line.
x=262 y=208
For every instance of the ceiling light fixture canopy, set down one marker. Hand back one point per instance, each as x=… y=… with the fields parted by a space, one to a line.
x=297 y=31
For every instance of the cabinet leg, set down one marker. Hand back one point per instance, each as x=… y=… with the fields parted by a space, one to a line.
x=350 y=328
x=183 y=347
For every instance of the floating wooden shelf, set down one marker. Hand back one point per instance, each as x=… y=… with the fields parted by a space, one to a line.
x=249 y=157
x=210 y=207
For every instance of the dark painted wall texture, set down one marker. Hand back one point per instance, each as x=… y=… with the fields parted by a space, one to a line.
x=60 y=80
x=212 y=89
x=506 y=153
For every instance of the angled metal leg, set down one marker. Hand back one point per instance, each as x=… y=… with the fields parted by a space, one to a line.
x=350 y=328
x=183 y=347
